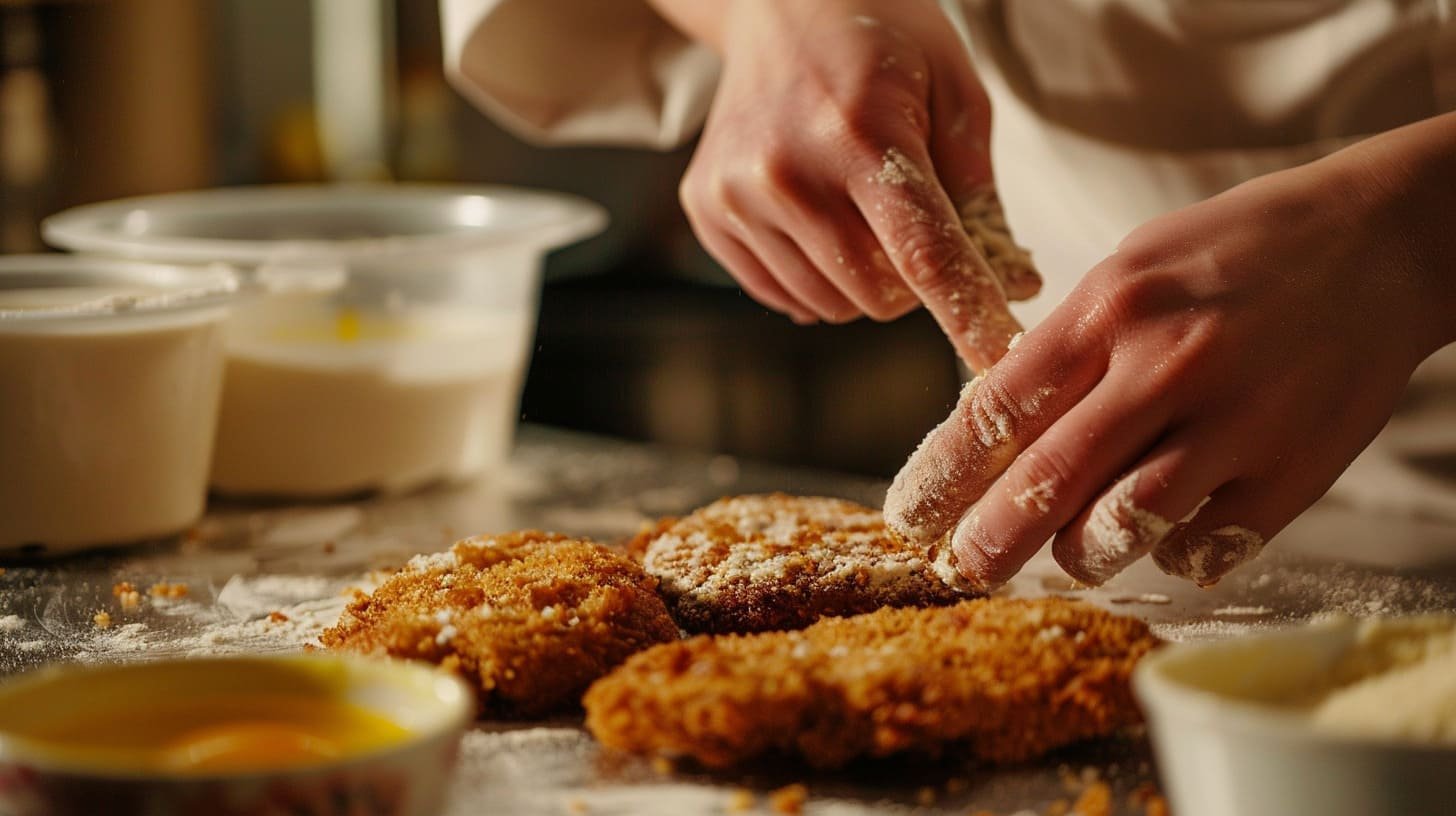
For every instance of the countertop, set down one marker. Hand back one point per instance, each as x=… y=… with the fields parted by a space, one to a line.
x=267 y=578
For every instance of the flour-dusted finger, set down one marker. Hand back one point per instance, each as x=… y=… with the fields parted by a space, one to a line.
x=921 y=232
x=1057 y=476
x=1142 y=508
x=996 y=418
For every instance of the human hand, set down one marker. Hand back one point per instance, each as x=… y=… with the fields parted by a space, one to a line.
x=843 y=140
x=1198 y=390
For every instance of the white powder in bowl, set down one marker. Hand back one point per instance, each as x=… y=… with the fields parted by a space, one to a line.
x=1398 y=682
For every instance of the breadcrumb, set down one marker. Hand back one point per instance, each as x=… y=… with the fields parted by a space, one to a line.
x=925 y=796
x=765 y=562
x=277 y=617
x=788 y=799
x=982 y=673
x=1095 y=800
x=169 y=591
x=481 y=610
x=576 y=806
x=102 y=620
x=741 y=800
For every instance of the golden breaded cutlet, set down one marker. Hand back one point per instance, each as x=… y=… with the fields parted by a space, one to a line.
x=764 y=562
x=1008 y=679
x=529 y=619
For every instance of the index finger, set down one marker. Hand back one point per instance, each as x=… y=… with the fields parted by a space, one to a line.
x=914 y=220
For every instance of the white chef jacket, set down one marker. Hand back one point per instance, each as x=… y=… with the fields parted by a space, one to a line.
x=1106 y=112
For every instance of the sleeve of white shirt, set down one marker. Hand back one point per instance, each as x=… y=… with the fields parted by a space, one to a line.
x=604 y=72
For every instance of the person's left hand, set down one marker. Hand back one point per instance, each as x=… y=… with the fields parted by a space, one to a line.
x=1198 y=390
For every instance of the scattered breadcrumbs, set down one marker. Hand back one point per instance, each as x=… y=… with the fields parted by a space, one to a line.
x=576 y=806
x=1095 y=800
x=662 y=766
x=102 y=620
x=170 y=591
x=741 y=800
x=788 y=799
x=1147 y=797
x=126 y=595
x=925 y=796
x=328 y=548
x=277 y=617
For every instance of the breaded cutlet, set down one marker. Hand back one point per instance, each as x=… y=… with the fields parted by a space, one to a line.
x=1007 y=679
x=764 y=562
x=529 y=619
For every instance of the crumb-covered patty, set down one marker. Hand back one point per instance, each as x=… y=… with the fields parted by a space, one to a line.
x=1008 y=679
x=765 y=562
x=529 y=619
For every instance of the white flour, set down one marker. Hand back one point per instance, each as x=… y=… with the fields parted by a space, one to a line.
x=253 y=614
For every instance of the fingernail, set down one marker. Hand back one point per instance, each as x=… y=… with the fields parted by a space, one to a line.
x=946 y=566
x=974 y=554
x=1206 y=558
x=1116 y=534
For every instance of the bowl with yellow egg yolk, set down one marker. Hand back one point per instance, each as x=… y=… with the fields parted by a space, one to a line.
x=244 y=735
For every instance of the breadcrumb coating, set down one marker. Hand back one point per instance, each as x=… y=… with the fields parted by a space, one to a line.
x=1008 y=679
x=766 y=562
x=529 y=619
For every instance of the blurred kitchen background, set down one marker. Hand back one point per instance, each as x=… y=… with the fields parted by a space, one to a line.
x=641 y=335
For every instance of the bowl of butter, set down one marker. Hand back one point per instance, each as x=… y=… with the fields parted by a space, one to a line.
x=1337 y=717
x=404 y=374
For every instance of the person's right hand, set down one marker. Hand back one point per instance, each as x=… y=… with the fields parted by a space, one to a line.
x=843 y=137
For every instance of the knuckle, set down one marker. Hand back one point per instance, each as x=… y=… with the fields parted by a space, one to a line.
x=1119 y=295
x=991 y=413
x=931 y=263
x=1039 y=477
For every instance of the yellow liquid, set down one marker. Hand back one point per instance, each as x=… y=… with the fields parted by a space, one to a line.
x=231 y=735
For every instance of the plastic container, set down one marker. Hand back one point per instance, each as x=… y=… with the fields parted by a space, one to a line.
x=213 y=736
x=110 y=373
x=408 y=373
x=1227 y=744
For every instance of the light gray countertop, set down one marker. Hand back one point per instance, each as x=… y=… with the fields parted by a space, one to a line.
x=244 y=562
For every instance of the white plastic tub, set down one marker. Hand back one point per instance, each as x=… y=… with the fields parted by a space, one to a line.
x=409 y=373
x=108 y=398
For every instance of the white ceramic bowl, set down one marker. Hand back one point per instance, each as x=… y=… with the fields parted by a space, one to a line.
x=409 y=372
x=407 y=776
x=1227 y=747
x=110 y=373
